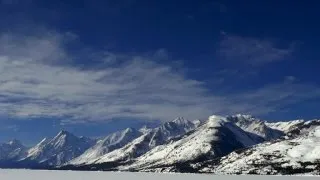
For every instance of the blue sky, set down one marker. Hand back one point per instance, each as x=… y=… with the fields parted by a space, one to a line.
x=93 y=67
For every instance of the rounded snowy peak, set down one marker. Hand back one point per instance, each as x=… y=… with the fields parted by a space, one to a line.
x=216 y=118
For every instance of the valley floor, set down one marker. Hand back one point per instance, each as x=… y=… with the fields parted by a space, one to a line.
x=77 y=175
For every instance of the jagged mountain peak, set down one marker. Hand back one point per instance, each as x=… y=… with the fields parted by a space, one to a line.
x=63 y=133
x=246 y=116
x=180 y=120
x=245 y=121
x=58 y=150
x=119 y=135
x=175 y=126
x=233 y=118
x=255 y=126
x=63 y=138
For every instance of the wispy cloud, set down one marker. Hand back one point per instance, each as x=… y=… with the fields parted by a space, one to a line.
x=33 y=83
x=252 y=51
x=40 y=78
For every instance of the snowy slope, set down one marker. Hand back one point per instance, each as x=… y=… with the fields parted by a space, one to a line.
x=37 y=149
x=214 y=138
x=12 y=150
x=300 y=154
x=108 y=144
x=255 y=126
x=285 y=126
x=149 y=140
x=62 y=148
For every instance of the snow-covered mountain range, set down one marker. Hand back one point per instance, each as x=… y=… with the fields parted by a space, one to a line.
x=238 y=144
x=141 y=145
x=215 y=138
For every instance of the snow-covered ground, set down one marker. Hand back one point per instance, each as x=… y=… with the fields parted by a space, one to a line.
x=68 y=175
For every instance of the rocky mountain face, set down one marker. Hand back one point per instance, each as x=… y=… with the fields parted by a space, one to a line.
x=238 y=144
